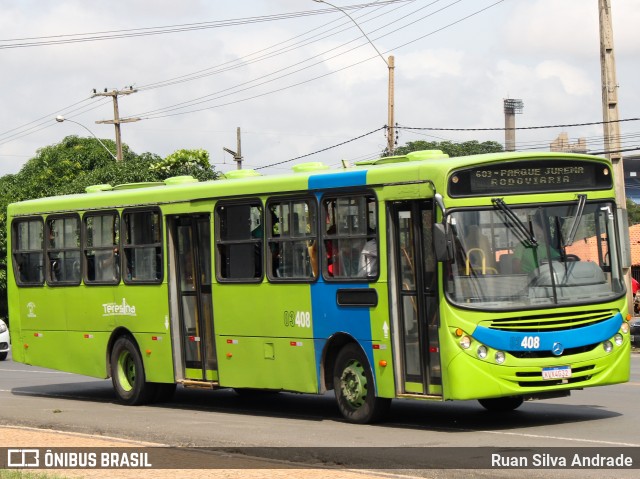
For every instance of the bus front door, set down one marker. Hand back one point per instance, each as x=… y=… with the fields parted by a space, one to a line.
x=414 y=271
x=192 y=268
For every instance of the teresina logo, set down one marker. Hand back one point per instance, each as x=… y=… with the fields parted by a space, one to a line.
x=115 y=309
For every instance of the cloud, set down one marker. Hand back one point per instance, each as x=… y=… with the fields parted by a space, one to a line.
x=574 y=80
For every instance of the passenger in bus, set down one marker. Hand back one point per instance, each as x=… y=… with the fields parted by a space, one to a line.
x=368 y=263
x=108 y=265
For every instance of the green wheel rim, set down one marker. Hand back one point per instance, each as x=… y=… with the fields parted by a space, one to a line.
x=353 y=383
x=126 y=371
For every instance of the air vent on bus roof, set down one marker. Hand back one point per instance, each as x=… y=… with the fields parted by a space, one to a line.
x=180 y=180
x=98 y=188
x=413 y=156
x=236 y=174
x=133 y=186
x=309 y=166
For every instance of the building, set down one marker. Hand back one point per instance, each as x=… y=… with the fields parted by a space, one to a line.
x=632 y=178
x=561 y=143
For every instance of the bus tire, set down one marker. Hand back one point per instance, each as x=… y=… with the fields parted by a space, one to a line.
x=501 y=404
x=354 y=387
x=127 y=374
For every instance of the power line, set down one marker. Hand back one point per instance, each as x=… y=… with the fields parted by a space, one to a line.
x=569 y=125
x=322 y=150
x=147 y=31
x=248 y=60
x=206 y=98
x=154 y=114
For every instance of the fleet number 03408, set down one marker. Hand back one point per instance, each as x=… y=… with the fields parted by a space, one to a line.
x=300 y=319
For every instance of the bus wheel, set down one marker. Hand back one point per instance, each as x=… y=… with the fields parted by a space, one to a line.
x=354 y=387
x=127 y=374
x=501 y=404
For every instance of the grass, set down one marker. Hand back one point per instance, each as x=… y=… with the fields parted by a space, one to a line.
x=11 y=474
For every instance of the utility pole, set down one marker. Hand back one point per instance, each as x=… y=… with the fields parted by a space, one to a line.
x=611 y=128
x=391 y=132
x=237 y=155
x=116 y=115
x=610 y=114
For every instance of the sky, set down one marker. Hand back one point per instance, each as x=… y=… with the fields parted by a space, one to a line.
x=300 y=79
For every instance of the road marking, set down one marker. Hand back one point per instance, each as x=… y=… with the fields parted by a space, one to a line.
x=83 y=435
x=33 y=372
x=561 y=438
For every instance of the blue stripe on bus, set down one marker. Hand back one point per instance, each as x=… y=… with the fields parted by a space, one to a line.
x=329 y=319
x=572 y=338
x=338 y=179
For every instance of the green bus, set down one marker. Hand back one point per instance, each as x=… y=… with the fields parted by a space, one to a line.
x=494 y=277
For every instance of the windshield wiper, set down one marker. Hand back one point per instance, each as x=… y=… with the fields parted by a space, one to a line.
x=582 y=199
x=517 y=225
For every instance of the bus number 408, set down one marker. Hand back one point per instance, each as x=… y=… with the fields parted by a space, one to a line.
x=530 y=342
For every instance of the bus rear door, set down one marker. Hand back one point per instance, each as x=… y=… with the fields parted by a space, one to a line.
x=194 y=344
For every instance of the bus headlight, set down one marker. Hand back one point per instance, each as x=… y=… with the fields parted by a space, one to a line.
x=482 y=351
x=499 y=357
x=618 y=339
x=608 y=346
x=465 y=342
x=625 y=327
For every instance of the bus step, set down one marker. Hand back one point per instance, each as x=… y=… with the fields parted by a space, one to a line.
x=193 y=383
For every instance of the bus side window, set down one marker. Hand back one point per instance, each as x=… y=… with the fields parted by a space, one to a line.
x=28 y=251
x=239 y=241
x=350 y=237
x=63 y=250
x=292 y=239
x=142 y=235
x=101 y=247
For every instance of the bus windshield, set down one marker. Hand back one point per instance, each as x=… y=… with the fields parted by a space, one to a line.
x=517 y=257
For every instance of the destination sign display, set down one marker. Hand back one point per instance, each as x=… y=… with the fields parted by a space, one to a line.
x=531 y=176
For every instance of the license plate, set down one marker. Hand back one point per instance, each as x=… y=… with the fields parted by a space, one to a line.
x=559 y=372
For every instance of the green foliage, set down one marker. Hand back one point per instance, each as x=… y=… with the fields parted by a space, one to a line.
x=186 y=162
x=450 y=148
x=75 y=163
x=633 y=212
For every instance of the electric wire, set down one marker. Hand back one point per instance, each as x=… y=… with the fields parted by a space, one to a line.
x=248 y=59
x=155 y=114
x=321 y=150
x=47 y=121
x=147 y=31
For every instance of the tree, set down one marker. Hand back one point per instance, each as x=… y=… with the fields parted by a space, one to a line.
x=633 y=212
x=450 y=148
x=186 y=162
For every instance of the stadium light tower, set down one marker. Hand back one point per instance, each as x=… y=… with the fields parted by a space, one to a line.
x=511 y=107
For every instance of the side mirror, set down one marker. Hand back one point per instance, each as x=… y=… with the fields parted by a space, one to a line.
x=442 y=242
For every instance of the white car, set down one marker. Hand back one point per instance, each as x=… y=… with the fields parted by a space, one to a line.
x=5 y=345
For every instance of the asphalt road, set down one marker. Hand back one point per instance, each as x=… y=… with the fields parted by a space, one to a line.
x=601 y=418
